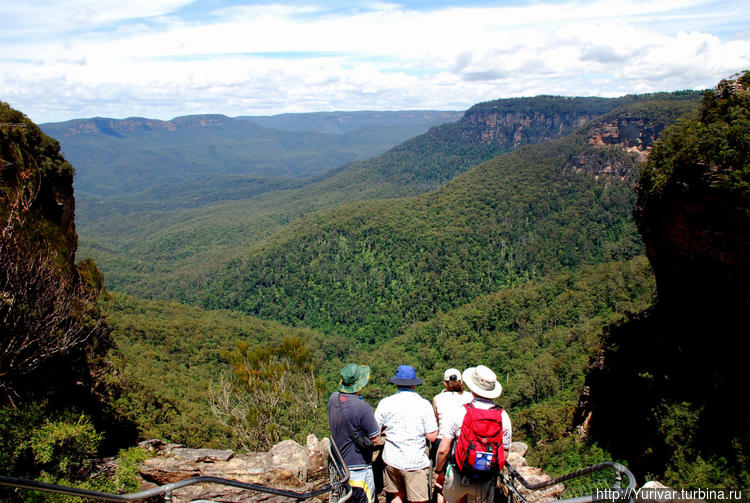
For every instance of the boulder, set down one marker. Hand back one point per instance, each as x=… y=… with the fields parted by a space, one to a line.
x=287 y=465
x=535 y=475
x=516 y=460
x=317 y=456
x=519 y=447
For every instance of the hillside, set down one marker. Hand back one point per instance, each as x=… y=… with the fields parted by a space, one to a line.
x=114 y=157
x=680 y=358
x=163 y=241
x=171 y=356
x=368 y=270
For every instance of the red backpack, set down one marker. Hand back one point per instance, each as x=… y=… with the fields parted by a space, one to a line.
x=479 y=452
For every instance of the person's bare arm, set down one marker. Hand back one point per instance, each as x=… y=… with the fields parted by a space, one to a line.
x=442 y=454
x=441 y=460
x=431 y=436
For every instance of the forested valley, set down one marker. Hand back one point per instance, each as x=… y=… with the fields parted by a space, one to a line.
x=522 y=236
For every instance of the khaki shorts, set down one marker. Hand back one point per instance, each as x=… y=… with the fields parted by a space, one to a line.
x=412 y=483
x=454 y=488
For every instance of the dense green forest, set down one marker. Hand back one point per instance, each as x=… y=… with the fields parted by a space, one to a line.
x=159 y=252
x=538 y=336
x=369 y=269
x=479 y=241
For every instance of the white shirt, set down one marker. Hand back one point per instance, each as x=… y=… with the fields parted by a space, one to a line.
x=444 y=402
x=456 y=418
x=407 y=417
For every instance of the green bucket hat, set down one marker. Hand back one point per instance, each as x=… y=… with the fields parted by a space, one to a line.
x=354 y=377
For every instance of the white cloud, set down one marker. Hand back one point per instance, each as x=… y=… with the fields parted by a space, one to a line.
x=149 y=58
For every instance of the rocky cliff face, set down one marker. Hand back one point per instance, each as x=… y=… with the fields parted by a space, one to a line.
x=503 y=125
x=31 y=161
x=693 y=202
x=633 y=133
x=513 y=129
x=679 y=363
x=511 y=123
x=51 y=327
x=621 y=140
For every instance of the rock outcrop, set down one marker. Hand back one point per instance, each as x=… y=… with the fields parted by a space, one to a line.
x=287 y=465
x=680 y=361
x=533 y=475
x=621 y=140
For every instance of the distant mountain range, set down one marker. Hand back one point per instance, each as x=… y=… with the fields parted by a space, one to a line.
x=162 y=241
x=349 y=122
x=119 y=156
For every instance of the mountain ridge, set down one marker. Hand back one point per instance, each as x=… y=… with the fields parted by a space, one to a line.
x=416 y=166
x=499 y=224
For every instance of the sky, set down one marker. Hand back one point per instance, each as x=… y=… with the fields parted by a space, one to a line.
x=67 y=59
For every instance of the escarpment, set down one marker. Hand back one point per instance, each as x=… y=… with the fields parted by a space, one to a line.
x=37 y=182
x=686 y=413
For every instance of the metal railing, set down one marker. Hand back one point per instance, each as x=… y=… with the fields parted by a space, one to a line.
x=601 y=482
x=338 y=473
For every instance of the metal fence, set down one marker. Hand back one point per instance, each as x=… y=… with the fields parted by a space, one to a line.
x=338 y=486
x=602 y=482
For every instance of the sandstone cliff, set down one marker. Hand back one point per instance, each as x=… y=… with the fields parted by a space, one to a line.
x=622 y=139
x=31 y=161
x=51 y=327
x=678 y=365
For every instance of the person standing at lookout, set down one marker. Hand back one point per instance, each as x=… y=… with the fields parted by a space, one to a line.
x=482 y=434
x=408 y=422
x=443 y=404
x=352 y=424
x=451 y=397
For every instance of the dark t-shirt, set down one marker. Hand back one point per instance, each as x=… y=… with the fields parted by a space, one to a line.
x=362 y=420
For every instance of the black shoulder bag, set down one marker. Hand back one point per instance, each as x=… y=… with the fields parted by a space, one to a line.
x=361 y=441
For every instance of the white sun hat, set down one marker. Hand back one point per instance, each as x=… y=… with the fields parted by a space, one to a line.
x=482 y=381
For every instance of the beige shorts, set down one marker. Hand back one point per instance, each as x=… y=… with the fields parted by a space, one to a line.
x=454 y=489
x=411 y=483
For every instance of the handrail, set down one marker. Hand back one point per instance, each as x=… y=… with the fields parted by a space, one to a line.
x=337 y=462
x=616 y=492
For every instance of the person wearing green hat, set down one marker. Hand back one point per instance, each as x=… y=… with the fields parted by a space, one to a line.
x=352 y=420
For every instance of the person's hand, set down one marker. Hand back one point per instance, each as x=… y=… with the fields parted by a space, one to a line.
x=439 y=480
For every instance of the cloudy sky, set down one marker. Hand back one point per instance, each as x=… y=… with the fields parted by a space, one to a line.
x=65 y=59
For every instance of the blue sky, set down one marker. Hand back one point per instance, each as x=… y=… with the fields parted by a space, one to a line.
x=161 y=59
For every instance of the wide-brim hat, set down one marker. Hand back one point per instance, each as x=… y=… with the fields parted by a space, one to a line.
x=354 y=377
x=482 y=381
x=406 y=376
